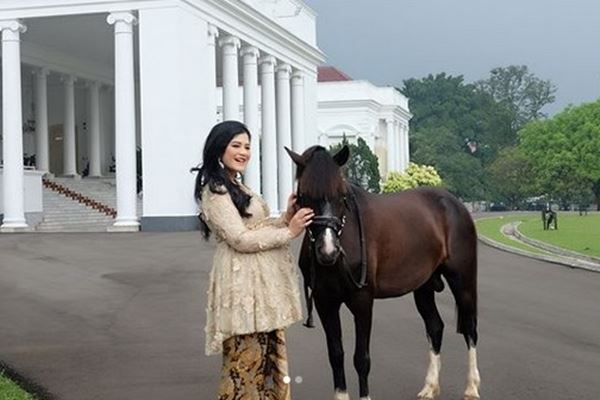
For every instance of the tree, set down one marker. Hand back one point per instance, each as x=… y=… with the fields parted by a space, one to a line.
x=510 y=177
x=565 y=153
x=520 y=92
x=362 y=168
x=414 y=176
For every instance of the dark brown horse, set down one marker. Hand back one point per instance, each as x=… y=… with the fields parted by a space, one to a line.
x=362 y=246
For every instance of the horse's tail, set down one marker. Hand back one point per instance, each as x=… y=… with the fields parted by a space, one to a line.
x=461 y=265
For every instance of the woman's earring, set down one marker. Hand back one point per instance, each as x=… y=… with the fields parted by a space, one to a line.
x=221 y=164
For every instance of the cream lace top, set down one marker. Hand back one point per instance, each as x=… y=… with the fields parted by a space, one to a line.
x=253 y=283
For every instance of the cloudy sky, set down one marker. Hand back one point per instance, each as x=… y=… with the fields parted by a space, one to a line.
x=387 y=41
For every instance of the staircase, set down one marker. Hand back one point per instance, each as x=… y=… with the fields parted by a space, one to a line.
x=79 y=205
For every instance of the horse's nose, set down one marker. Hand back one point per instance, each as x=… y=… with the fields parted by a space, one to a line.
x=327 y=257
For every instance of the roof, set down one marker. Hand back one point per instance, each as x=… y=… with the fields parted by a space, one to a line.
x=327 y=73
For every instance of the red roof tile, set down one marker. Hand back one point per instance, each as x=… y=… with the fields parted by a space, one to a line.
x=327 y=73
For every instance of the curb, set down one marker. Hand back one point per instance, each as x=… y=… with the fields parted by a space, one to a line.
x=571 y=263
x=551 y=248
x=39 y=392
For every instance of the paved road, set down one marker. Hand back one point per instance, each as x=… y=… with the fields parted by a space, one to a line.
x=120 y=316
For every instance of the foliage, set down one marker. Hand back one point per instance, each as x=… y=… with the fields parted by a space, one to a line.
x=565 y=153
x=461 y=172
x=362 y=168
x=520 y=92
x=511 y=177
x=414 y=176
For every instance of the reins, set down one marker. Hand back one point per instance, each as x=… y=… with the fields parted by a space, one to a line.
x=338 y=225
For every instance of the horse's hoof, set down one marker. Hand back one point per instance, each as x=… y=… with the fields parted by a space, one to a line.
x=429 y=393
x=340 y=395
x=470 y=397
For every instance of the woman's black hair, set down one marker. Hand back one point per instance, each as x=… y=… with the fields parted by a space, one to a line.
x=212 y=172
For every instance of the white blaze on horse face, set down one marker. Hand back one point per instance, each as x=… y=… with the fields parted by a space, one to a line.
x=328 y=241
x=473 y=379
x=431 y=389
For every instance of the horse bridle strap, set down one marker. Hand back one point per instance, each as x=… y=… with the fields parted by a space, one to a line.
x=338 y=225
x=363 y=246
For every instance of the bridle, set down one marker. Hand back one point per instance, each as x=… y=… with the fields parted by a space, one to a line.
x=337 y=225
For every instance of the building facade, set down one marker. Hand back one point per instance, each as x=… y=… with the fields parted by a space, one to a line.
x=86 y=82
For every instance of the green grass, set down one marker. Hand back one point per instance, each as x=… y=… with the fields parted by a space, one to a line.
x=490 y=228
x=577 y=233
x=10 y=391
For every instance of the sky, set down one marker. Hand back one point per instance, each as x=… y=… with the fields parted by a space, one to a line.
x=388 y=41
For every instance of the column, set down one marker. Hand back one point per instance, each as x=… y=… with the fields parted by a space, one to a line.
x=268 y=139
x=298 y=117
x=391 y=146
x=213 y=34
x=399 y=145
x=69 y=145
x=231 y=101
x=284 y=135
x=42 y=157
x=94 y=129
x=250 y=55
x=12 y=121
x=124 y=122
x=406 y=145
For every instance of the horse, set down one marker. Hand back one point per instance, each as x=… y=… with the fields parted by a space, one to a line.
x=363 y=246
x=549 y=218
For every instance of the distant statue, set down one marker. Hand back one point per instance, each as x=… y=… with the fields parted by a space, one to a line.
x=549 y=218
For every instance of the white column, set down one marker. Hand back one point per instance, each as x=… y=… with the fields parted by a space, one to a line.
x=213 y=34
x=69 y=144
x=94 y=129
x=298 y=116
x=12 y=121
x=42 y=154
x=269 y=131
x=250 y=55
x=399 y=152
x=406 y=146
x=125 y=122
x=391 y=146
x=231 y=101
x=284 y=135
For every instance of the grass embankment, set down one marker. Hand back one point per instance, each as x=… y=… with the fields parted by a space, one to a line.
x=10 y=391
x=490 y=228
x=577 y=233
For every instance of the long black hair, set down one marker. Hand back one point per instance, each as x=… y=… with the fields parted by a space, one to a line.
x=213 y=173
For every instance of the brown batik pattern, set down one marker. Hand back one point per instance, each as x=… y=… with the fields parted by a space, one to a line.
x=254 y=367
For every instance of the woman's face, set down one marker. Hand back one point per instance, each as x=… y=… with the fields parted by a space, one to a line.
x=237 y=153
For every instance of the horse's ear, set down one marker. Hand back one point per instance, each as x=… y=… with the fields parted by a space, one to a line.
x=297 y=158
x=341 y=157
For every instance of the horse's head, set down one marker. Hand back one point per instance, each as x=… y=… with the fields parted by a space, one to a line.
x=321 y=187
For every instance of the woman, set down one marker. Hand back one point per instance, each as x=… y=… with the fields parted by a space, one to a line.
x=253 y=293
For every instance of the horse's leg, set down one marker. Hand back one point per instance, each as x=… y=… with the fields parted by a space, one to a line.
x=425 y=301
x=361 y=307
x=329 y=313
x=464 y=289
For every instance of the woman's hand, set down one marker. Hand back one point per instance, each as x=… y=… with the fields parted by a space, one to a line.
x=291 y=208
x=301 y=219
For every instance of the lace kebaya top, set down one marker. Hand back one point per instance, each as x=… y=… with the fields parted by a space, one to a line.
x=253 y=284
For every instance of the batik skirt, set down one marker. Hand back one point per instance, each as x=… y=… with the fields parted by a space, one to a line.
x=255 y=367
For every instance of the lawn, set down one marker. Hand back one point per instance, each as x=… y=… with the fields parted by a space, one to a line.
x=490 y=228
x=10 y=391
x=577 y=233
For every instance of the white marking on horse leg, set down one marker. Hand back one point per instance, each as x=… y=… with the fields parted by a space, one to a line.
x=328 y=245
x=366 y=398
x=339 y=395
x=432 y=380
x=473 y=379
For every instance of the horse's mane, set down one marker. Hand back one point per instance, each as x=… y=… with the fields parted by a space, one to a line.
x=321 y=177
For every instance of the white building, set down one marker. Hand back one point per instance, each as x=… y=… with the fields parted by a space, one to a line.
x=96 y=78
x=356 y=108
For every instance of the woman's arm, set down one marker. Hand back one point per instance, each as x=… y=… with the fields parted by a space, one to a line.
x=220 y=212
